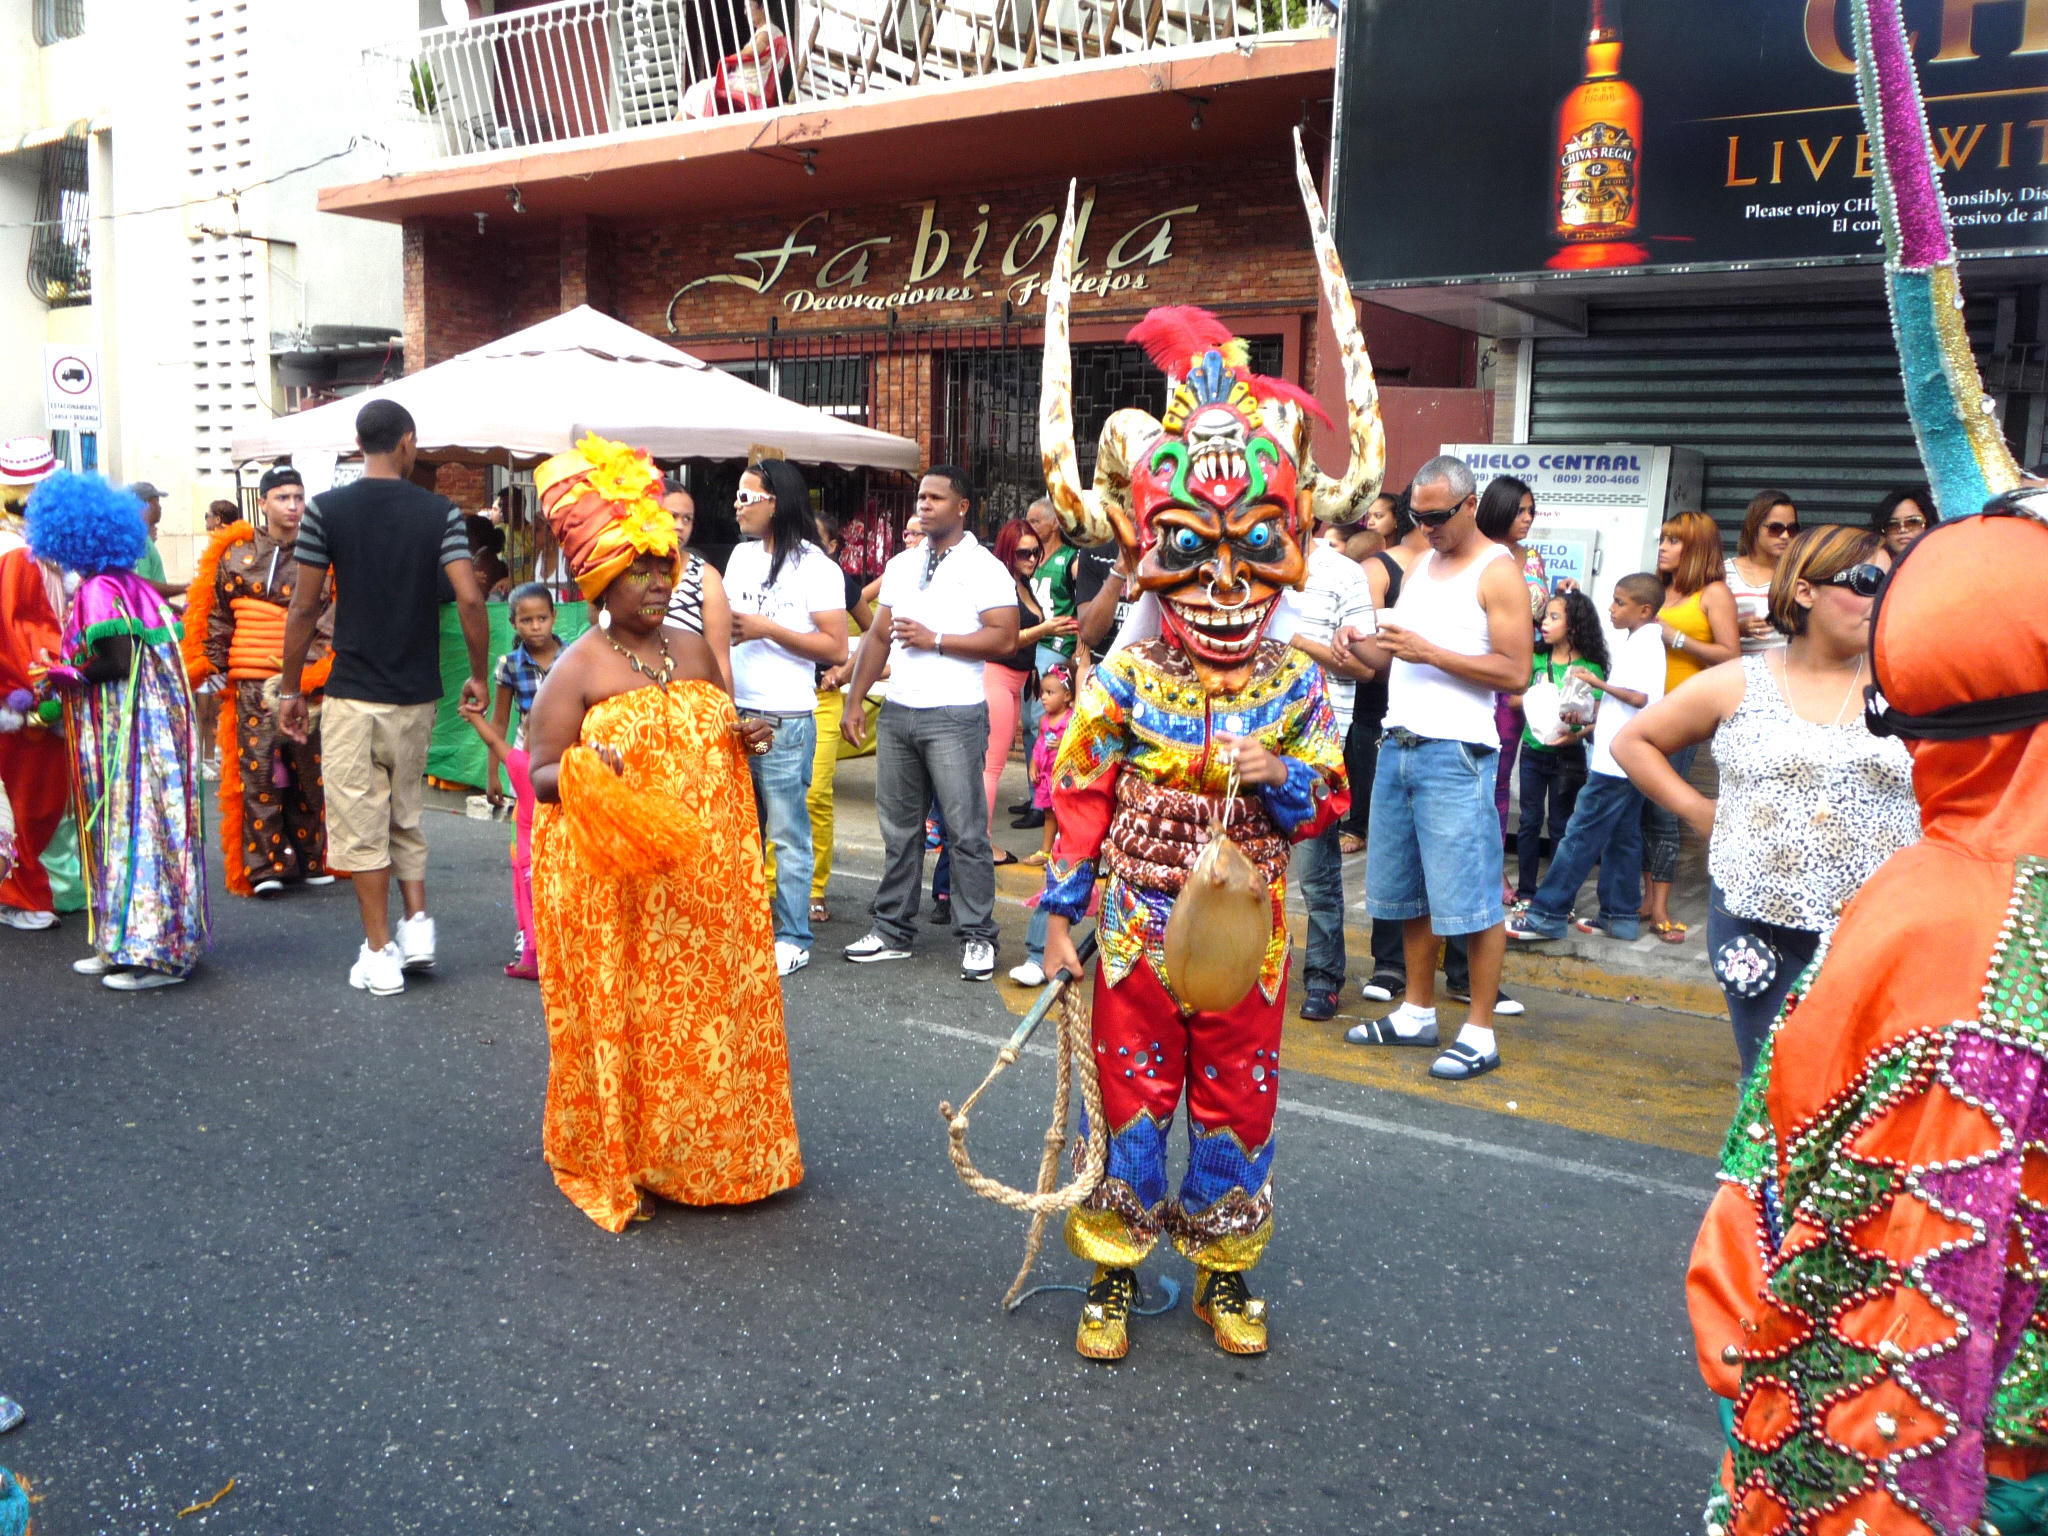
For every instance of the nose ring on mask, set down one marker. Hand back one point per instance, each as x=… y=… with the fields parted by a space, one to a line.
x=1230 y=607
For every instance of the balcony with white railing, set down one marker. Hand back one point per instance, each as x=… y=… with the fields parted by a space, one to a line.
x=580 y=70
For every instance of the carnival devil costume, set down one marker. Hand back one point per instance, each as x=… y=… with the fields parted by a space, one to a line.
x=273 y=826
x=1211 y=506
x=1866 y=1293
x=35 y=767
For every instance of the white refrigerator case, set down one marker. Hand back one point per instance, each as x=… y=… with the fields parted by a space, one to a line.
x=1599 y=506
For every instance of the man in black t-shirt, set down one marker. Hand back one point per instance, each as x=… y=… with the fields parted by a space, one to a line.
x=1102 y=598
x=388 y=543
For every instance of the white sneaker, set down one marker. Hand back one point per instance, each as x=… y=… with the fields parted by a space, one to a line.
x=790 y=957
x=416 y=942
x=318 y=880
x=139 y=980
x=91 y=965
x=26 y=921
x=267 y=888
x=977 y=960
x=1029 y=974
x=379 y=972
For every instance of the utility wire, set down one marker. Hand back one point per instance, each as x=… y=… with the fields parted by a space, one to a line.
x=355 y=142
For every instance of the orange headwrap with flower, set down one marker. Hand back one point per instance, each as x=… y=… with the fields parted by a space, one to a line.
x=603 y=501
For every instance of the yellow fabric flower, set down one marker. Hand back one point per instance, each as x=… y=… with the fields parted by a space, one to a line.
x=619 y=473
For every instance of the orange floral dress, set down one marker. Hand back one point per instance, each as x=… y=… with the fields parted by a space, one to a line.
x=668 y=1068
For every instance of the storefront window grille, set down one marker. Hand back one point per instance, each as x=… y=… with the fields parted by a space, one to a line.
x=60 y=244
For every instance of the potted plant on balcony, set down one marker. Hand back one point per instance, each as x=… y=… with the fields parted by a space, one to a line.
x=425 y=128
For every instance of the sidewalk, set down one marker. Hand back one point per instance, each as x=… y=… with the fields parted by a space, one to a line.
x=1673 y=976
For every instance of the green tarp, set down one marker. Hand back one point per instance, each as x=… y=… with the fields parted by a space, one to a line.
x=457 y=753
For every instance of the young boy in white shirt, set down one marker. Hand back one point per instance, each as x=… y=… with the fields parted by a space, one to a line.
x=1606 y=823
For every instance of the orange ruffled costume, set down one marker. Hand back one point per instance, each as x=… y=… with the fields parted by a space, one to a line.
x=255 y=654
x=668 y=1066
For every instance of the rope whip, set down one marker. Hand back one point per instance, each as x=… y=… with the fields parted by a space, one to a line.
x=1073 y=1051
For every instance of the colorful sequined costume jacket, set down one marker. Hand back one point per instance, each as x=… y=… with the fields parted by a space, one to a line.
x=1135 y=785
x=1866 y=1292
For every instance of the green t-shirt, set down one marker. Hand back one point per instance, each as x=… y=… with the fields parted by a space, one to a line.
x=1053 y=585
x=151 y=566
x=1545 y=670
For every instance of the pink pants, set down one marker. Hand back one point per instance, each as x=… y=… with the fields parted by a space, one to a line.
x=1004 y=689
x=522 y=854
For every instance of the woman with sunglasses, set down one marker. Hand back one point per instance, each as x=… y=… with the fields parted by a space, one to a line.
x=1811 y=803
x=1700 y=631
x=1768 y=529
x=1901 y=517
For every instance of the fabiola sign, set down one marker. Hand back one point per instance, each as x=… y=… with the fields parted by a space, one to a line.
x=977 y=264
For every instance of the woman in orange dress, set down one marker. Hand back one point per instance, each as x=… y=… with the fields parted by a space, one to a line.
x=668 y=1069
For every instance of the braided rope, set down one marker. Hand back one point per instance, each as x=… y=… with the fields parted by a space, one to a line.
x=1046 y=1200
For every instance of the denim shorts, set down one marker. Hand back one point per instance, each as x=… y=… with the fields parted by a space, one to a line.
x=1435 y=846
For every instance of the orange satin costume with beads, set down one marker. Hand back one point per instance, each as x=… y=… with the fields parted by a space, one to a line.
x=668 y=1067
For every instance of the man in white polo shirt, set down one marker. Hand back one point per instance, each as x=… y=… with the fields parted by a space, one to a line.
x=788 y=603
x=945 y=608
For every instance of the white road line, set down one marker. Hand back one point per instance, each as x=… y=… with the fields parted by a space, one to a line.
x=1641 y=1183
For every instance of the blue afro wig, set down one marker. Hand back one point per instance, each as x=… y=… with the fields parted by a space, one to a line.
x=86 y=524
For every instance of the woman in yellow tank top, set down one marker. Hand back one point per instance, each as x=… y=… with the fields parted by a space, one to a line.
x=1700 y=631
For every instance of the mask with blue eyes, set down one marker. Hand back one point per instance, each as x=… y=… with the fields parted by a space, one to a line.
x=1219 y=518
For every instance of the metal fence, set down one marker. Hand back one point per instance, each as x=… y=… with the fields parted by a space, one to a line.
x=966 y=394
x=580 y=69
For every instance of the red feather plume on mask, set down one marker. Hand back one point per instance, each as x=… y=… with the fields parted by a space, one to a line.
x=1174 y=335
x=1279 y=389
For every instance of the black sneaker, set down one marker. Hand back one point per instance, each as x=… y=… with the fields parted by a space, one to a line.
x=1504 y=1007
x=1384 y=987
x=1029 y=821
x=1021 y=808
x=1319 y=1003
x=942 y=912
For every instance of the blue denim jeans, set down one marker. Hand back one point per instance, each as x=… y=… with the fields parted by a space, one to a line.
x=1607 y=828
x=782 y=779
x=1551 y=780
x=1661 y=827
x=1320 y=868
x=922 y=755
x=1756 y=963
x=1434 y=850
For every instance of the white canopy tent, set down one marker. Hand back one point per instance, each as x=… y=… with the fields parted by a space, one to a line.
x=534 y=393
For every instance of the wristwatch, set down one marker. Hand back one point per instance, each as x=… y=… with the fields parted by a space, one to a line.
x=939 y=644
x=1678 y=640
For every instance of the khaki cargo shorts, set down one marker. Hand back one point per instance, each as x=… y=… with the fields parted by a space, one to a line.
x=374 y=759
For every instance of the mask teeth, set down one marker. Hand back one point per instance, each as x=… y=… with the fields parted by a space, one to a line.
x=1237 y=466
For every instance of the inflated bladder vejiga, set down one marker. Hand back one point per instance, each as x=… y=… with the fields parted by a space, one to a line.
x=1221 y=923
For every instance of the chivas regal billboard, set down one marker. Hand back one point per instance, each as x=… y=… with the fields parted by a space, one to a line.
x=1498 y=137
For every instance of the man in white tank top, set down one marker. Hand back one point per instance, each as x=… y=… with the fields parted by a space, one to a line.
x=1459 y=634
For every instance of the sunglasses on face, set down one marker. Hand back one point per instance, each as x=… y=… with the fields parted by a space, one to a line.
x=1027 y=551
x=1435 y=519
x=1781 y=530
x=1863 y=580
x=1906 y=525
x=752 y=498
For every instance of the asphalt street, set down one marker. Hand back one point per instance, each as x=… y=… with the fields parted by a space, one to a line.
x=264 y=1228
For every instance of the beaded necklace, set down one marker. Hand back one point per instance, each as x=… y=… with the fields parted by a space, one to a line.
x=668 y=660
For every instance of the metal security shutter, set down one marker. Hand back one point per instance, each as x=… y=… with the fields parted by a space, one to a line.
x=1798 y=395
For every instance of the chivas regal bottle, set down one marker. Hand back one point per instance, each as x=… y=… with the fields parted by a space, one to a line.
x=1599 y=156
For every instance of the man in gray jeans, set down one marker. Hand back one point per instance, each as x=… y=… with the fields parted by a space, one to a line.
x=944 y=609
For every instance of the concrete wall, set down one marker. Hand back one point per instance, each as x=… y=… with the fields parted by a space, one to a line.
x=135 y=74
